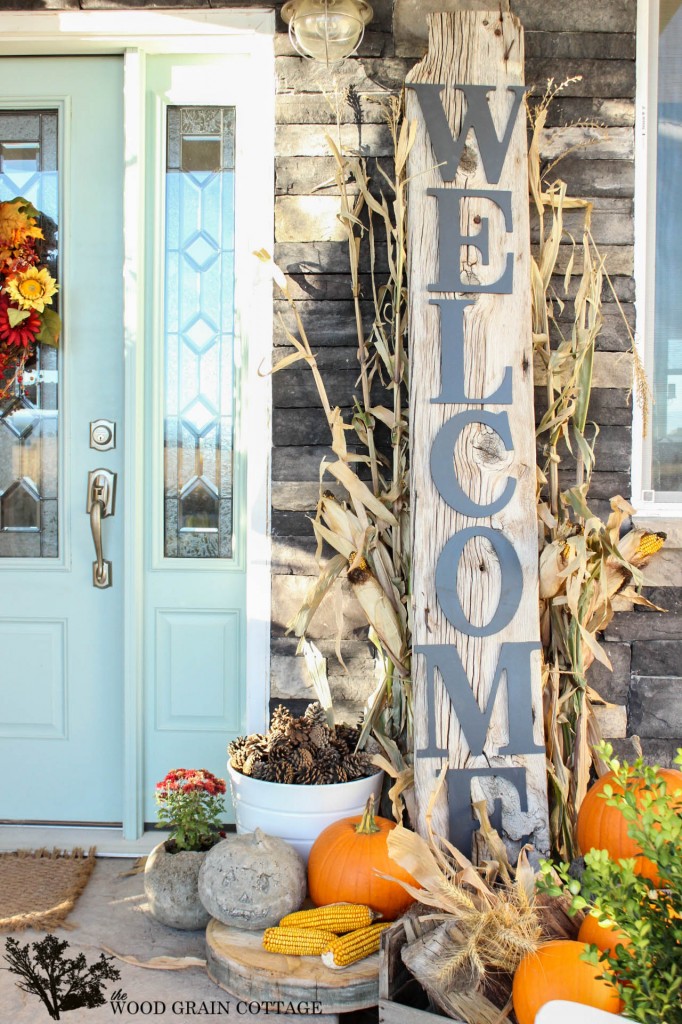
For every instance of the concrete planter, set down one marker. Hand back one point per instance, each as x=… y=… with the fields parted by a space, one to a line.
x=297 y=813
x=171 y=886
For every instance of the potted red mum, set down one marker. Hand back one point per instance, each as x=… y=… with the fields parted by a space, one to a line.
x=191 y=803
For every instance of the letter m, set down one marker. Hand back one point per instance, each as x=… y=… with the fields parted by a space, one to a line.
x=514 y=660
x=448 y=149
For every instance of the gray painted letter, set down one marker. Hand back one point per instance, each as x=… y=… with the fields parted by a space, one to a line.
x=514 y=660
x=511 y=585
x=450 y=241
x=452 y=388
x=443 y=467
x=448 y=150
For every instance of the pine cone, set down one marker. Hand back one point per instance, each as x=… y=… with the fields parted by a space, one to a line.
x=358 y=766
x=319 y=735
x=348 y=735
x=263 y=770
x=250 y=763
x=278 y=743
x=315 y=714
x=281 y=718
x=301 y=761
x=257 y=745
x=284 y=772
x=298 y=733
x=319 y=774
x=236 y=750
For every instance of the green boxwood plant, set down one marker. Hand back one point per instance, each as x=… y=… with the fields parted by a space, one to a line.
x=648 y=971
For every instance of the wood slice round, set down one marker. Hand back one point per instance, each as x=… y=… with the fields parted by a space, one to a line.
x=238 y=963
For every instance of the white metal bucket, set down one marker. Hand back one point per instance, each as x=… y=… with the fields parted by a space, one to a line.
x=297 y=813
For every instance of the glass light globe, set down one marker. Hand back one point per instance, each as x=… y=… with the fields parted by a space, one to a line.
x=327 y=30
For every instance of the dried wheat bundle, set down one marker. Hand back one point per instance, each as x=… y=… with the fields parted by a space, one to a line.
x=487 y=919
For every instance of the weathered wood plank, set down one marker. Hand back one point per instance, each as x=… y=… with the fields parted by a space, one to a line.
x=600 y=45
x=619 y=113
x=324 y=257
x=588 y=142
x=290 y=678
x=624 y=288
x=327 y=323
x=611 y=406
x=330 y=359
x=327 y=287
x=605 y=78
x=311 y=140
x=377 y=75
x=619 y=259
x=306 y=108
x=587 y=177
x=302 y=426
x=610 y=370
x=466 y=47
x=316 y=174
x=297 y=496
x=307 y=219
x=612 y=16
x=288 y=593
x=612 y=221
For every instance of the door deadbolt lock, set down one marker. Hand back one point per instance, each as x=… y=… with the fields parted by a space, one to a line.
x=102 y=435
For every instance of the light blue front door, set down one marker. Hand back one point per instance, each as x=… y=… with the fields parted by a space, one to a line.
x=61 y=715
x=77 y=739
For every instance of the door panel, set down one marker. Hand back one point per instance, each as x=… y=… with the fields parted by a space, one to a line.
x=60 y=677
x=195 y=581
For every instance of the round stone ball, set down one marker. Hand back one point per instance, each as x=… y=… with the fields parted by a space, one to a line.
x=252 y=880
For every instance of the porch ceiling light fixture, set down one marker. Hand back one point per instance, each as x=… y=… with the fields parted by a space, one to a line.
x=326 y=30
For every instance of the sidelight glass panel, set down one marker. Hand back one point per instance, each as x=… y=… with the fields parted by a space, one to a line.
x=28 y=417
x=667 y=408
x=199 y=332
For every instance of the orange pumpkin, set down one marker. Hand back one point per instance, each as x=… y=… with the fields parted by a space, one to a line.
x=344 y=862
x=605 y=938
x=556 y=971
x=601 y=827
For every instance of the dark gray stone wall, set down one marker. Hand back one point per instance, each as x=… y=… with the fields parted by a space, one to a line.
x=595 y=41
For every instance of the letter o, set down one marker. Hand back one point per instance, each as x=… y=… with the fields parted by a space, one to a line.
x=510 y=590
x=442 y=469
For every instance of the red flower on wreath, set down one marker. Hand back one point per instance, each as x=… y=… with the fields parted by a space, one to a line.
x=23 y=334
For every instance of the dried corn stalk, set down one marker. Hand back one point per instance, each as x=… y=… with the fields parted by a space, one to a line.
x=368 y=527
x=587 y=570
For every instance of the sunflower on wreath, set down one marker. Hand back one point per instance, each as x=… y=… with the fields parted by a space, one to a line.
x=27 y=291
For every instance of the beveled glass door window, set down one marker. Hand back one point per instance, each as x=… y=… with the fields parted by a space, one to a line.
x=199 y=333
x=29 y=417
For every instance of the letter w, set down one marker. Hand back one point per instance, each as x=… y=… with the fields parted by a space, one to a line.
x=449 y=150
x=514 y=659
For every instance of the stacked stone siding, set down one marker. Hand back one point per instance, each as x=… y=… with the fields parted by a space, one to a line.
x=591 y=42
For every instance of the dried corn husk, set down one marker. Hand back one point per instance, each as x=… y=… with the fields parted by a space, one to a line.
x=587 y=570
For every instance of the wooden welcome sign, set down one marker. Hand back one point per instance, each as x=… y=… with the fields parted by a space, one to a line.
x=476 y=665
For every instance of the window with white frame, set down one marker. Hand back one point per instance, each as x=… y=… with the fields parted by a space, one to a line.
x=658 y=478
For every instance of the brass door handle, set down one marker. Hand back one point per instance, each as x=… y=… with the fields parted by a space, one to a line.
x=101 y=503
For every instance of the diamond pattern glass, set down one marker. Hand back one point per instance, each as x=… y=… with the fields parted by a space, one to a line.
x=29 y=453
x=199 y=332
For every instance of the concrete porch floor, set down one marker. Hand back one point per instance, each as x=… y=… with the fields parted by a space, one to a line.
x=113 y=912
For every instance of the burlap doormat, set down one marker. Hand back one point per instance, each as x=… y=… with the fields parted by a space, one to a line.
x=38 y=888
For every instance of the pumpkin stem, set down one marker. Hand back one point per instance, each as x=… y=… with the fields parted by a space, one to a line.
x=368 y=824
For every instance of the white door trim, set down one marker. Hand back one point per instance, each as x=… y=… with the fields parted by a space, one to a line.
x=136 y=34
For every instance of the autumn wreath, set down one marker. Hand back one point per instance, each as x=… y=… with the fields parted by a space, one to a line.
x=27 y=290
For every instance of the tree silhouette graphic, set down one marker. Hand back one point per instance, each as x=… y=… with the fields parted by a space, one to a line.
x=62 y=983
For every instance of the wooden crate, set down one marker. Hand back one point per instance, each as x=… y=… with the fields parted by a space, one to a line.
x=402 y=1000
